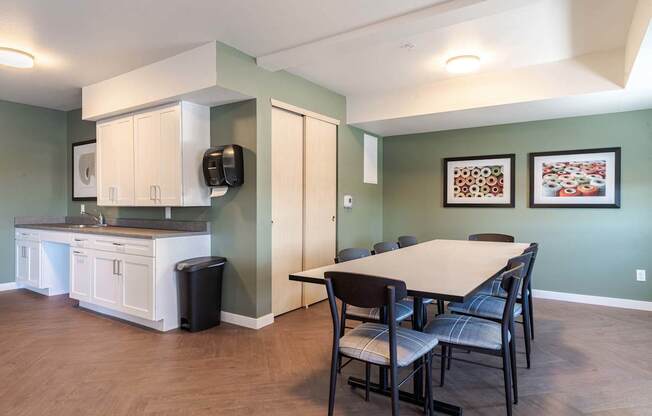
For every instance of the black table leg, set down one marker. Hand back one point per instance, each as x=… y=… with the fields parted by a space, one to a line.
x=417 y=325
x=440 y=407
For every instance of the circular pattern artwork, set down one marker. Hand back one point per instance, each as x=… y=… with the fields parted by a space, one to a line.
x=574 y=178
x=478 y=181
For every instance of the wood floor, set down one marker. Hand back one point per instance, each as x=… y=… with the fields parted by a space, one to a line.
x=56 y=359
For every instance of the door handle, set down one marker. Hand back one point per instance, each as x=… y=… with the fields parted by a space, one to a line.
x=333 y=218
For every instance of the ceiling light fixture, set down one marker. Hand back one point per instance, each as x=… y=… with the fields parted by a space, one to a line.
x=16 y=58
x=463 y=64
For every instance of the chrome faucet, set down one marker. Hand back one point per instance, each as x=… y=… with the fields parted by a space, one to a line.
x=99 y=218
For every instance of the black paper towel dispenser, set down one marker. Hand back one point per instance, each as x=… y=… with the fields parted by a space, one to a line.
x=223 y=166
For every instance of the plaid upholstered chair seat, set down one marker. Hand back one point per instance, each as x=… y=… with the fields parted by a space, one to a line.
x=404 y=310
x=466 y=331
x=492 y=288
x=484 y=306
x=370 y=342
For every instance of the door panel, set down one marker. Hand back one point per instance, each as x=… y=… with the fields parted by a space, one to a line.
x=287 y=202
x=34 y=254
x=81 y=269
x=169 y=162
x=320 y=201
x=22 y=261
x=105 y=164
x=106 y=281
x=137 y=286
x=146 y=152
x=115 y=162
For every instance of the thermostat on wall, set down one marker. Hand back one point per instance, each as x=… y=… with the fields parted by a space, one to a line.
x=348 y=201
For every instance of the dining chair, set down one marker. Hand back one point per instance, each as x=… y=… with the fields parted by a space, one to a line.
x=484 y=336
x=384 y=247
x=407 y=241
x=404 y=307
x=387 y=345
x=500 y=238
x=491 y=305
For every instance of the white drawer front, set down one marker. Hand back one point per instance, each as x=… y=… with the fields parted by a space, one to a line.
x=135 y=246
x=81 y=240
x=62 y=237
x=27 y=234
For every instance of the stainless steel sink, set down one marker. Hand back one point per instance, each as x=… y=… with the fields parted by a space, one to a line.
x=85 y=225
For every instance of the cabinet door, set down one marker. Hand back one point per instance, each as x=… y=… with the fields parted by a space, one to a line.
x=115 y=162
x=22 y=261
x=105 y=286
x=34 y=254
x=146 y=149
x=81 y=269
x=287 y=209
x=320 y=201
x=137 y=274
x=158 y=157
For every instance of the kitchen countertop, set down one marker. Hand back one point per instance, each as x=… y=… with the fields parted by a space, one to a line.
x=117 y=231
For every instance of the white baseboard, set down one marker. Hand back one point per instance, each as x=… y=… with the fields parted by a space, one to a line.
x=8 y=286
x=246 y=321
x=593 y=300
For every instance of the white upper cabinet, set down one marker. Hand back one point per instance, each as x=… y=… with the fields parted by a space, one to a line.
x=164 y=148
x=115 y=161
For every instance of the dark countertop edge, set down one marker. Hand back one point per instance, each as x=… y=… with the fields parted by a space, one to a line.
x=156 y=234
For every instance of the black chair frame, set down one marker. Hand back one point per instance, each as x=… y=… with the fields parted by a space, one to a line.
x=510 y=282
x=499 y=238
x=371 y=292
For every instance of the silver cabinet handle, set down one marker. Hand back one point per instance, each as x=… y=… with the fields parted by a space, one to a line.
x=118 y=244
x=158 y=198
x=77 y=252
x=114 y=273
x=151 y=189
x=119 y=272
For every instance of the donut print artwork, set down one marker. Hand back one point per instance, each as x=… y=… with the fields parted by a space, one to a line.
x=479 y=181
x=575 y=179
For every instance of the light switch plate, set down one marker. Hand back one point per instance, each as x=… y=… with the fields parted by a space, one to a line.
x=348 y=201
x=640 y=275
x=82 y=209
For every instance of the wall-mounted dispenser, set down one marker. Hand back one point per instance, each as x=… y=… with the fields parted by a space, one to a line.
x=223 y=168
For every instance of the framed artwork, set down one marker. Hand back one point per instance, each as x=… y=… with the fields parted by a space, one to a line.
x=575 y=179
x=479 y=181
x=84 y=184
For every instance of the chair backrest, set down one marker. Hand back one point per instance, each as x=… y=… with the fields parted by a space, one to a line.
x=407 y=241
x=385 y=246
x=501 y=238
x=349 y=254
x=526 y=260
x=533 y=249
x=366 y=292
x=510 y=282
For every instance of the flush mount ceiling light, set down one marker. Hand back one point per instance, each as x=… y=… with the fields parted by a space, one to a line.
x=463 y=64
x=16 y=58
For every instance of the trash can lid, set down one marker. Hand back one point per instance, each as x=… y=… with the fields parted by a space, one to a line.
x=199 y=263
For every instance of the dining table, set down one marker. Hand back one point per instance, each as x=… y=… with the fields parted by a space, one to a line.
x=444 y=270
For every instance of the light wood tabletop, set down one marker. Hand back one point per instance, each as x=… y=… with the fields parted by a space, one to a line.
x=441 y=269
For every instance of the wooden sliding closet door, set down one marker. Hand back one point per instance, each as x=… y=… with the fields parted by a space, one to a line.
x=319 y=201
x=287 y=209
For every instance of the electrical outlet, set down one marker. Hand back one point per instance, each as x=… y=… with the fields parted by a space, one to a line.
x=640 y=275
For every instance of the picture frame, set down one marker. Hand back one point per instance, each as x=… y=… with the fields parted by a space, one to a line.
x=480 y=181
x=586 y=178
x=84 y=179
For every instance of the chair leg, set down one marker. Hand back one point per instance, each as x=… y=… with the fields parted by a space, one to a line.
x=331 y=393
x=367 y=376
x=531 y=312
x=450 y=357
x=393 y=374
x=425 y=314
x=440 y=307
x=527 y=332
x=442 y=373
x=508 y=379
x=429 y=410
x=512 y=356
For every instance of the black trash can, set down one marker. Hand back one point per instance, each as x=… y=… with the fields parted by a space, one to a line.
x=200 y=292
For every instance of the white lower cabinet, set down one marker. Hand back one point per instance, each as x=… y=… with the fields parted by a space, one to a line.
x=137 y=284
x=105 y=279
x=28 y=259
x=81 y=272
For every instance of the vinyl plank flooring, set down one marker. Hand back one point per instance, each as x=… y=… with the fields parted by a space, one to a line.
x=58 y=359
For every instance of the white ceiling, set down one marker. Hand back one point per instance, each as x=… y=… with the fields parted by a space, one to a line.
x=80 y=42
x=540 y=32
x=540 y=58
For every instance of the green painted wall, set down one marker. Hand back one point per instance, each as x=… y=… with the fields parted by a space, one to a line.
x=32 y=166
x=586 y=251
x=360 y=226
